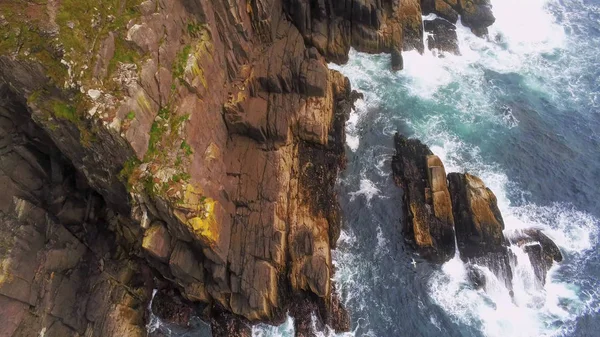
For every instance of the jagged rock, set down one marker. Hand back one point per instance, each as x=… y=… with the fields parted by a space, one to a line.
x=367 y=25
x=476 y=276
x=542 y=251
x=442 y=35
x=224 y=324
x=475 y=14
x=440 y=208
x=169 y=307
x=478 y=220
x=479 y=225
x=429 y=222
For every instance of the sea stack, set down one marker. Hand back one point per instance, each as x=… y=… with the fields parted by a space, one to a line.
x=441 y=210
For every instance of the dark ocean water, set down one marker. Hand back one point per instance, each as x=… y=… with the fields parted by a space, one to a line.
x=522 y=111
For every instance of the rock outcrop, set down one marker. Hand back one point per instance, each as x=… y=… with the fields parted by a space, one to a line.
x=428 y=209
x=479 y=225
x=191 y=146
x=441 y=30
x=441 y=210
x=442 y=35
x=64 y=266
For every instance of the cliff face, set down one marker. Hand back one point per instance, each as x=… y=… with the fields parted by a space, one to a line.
x=191 y=146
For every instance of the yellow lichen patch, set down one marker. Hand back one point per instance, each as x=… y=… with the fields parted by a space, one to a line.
x=149 y=236
x=4 y=271
x=420 y=228
x=198 y=213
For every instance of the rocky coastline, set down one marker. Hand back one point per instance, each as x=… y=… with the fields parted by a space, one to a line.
x=183 y=155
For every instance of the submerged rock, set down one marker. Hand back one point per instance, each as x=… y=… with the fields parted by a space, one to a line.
x=542 y=251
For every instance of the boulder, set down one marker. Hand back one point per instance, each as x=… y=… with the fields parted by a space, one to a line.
x=397 y=60
x=476 y=14
x=429 y=223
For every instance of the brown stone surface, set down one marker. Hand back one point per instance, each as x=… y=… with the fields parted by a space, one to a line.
x=157 y=242
x=479 y=224
x=429 y=222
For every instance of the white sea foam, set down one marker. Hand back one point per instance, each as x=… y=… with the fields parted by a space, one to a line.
x=367 y=189
x=284 y=330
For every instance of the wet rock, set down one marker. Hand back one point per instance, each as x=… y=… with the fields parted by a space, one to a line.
x=476 y=276
x=442 y=35
x=429 y=222
x=477 y=15
x=224 y=324
x=542 y=251
x=397 y=60
x=171 y=309
x=479 y=225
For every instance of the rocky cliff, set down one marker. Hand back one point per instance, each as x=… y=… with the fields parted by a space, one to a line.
x=189 y=146
x=186 y=146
